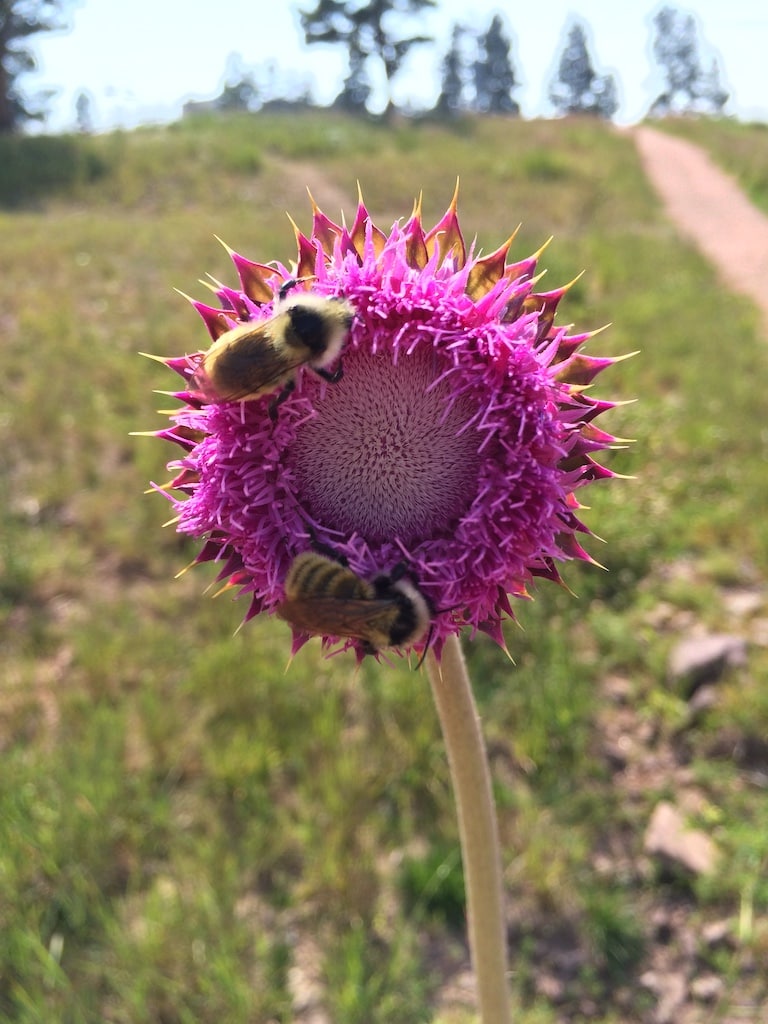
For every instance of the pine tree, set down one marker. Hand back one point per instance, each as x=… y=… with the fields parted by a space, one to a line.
x=451 y=100
x=20 y=19
x=494 y=76
x=577 y=89
x=365 y=28
x=84 y=113
x=357 y=87
x=240 y=90
x=688 y=87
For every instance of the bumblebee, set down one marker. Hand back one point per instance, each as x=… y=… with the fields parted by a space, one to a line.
x=325 y=597
x=255 y=359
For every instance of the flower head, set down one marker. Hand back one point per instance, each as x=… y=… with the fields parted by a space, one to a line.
x=454 y=442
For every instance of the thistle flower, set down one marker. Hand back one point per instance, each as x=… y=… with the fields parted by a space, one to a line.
x=455 y=442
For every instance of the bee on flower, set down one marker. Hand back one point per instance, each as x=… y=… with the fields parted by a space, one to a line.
x=455 y=443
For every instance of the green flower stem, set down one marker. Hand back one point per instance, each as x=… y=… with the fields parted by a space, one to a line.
x=478 y=828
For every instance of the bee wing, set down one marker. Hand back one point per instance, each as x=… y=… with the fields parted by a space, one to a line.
x=258 y=381
x=246 y=365
x=368 y=620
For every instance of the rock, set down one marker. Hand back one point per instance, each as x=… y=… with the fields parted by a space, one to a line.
x=305 y=982
x=668 y=837
x=708 y=988
x=550 y=987
x=718 y=933
x=619 y=690
x=703 y=659
x=661 y=615
x=671 y=990
x=663 y=926
x=703 y=700
x=742 y=603
x=616 y=756
x=671 y=997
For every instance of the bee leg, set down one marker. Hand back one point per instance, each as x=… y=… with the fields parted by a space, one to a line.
x=386 y=579
x=325 y=549
x=281 y=397
x=427 y=645
x=286 y=287
x=332 y=376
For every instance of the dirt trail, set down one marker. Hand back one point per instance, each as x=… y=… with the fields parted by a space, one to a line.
x=711 y=210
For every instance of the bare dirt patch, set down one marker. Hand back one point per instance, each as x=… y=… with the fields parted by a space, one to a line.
x=708 y=207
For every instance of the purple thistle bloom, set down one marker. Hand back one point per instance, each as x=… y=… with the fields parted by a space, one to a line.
x=455 y=441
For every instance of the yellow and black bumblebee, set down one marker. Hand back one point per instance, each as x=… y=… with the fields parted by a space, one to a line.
x=255 y=359
x=324 y=597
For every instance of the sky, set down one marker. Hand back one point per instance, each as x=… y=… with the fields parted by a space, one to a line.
x=139 y=60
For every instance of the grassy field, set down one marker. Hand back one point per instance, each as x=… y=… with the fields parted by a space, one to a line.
x=189 y=833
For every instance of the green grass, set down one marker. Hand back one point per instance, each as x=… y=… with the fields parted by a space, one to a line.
x=183 y=823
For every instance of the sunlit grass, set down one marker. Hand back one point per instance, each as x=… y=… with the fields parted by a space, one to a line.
x=183 y=822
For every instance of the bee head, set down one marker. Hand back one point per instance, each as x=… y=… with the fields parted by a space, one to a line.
x=415 y=609
x=319 y=325
x=308 y=327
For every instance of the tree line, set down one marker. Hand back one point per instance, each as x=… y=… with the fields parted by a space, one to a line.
x=477 y=73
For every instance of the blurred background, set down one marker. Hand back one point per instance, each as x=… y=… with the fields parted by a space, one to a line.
x=114 y=64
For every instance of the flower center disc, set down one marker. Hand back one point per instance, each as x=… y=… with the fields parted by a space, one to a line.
x=383 y=457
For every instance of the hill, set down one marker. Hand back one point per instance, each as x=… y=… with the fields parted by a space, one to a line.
x=190 y=833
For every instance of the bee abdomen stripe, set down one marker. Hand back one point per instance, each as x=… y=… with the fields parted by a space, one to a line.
x=324 y=578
